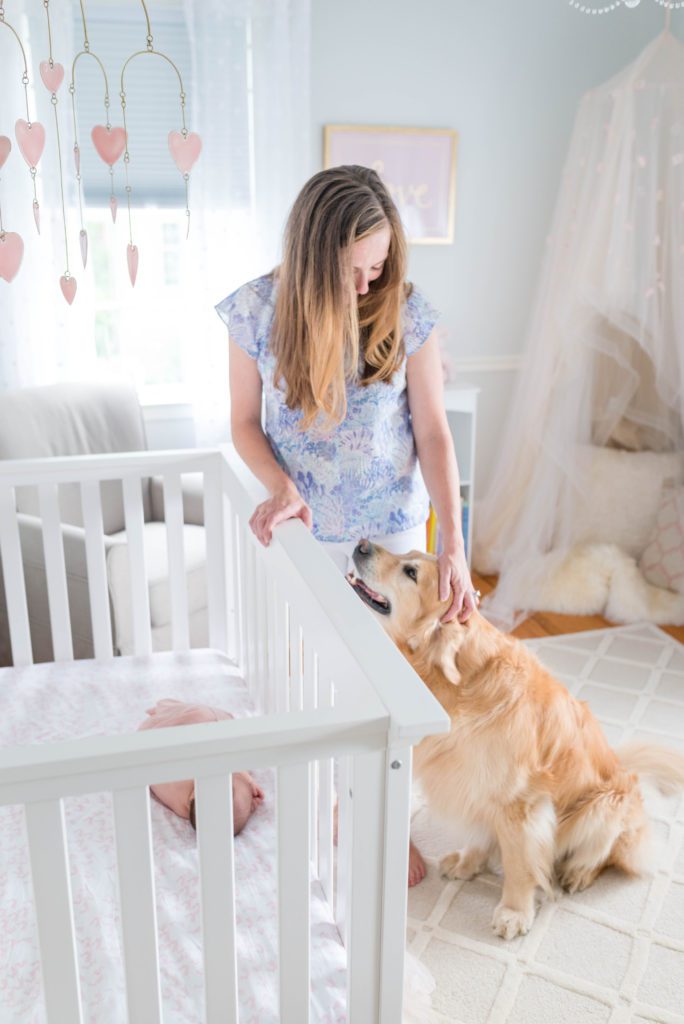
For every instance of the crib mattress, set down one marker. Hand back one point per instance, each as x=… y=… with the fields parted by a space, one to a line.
x=51 y=702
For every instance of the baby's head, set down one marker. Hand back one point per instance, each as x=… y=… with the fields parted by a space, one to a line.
x=246 y=798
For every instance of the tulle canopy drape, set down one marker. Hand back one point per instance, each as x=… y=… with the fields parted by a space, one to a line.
x=604 y=362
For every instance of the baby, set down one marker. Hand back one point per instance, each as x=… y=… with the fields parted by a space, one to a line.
x=180 y=796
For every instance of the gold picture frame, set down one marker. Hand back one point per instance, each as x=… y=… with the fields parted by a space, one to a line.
x=418 y=166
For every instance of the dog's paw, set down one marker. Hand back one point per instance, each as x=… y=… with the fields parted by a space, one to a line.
x=509 y=923
x=575 y=877
x=460 y=865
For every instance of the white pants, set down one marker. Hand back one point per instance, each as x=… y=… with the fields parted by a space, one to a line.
x=397 y=543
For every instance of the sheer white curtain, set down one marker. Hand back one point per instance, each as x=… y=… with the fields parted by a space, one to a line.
x=250 y=104
x=41 y=338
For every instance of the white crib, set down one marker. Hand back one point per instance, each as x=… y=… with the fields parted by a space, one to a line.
x=329 y=688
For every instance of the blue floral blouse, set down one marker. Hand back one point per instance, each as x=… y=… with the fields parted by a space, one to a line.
x=360 y=479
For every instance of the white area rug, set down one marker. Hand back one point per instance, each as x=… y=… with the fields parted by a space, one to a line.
x=611 y=955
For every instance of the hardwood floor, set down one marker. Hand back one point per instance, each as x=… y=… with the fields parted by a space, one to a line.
x=551 y=624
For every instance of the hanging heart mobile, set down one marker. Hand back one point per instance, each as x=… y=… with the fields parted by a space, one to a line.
x=30 y=135
x=184 y=146
x=87 y=52
x=52 y=75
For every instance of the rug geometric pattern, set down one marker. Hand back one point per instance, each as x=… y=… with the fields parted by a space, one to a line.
x=610 y=955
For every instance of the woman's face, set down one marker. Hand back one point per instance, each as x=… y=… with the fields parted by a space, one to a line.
x=368 y=258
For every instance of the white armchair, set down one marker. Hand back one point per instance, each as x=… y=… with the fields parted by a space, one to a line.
x=80 y=419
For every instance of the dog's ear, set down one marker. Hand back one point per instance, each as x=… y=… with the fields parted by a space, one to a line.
x=435 y=644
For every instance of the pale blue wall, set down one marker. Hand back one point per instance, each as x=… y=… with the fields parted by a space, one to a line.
x=507 y=75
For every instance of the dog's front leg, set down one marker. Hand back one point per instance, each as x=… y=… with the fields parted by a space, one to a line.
x=526 y=837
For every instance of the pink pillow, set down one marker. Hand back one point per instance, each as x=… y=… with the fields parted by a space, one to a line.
x=662 y=561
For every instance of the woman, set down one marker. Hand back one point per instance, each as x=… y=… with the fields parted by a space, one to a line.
x=342 y=350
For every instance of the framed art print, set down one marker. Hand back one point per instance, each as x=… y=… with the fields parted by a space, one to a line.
x=417 y=165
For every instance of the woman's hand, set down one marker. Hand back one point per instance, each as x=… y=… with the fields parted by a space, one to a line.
x=286 y=503
x=454 y=577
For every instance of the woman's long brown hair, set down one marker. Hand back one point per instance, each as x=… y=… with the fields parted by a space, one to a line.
x=319 y=327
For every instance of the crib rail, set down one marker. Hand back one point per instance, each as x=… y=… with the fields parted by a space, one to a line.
x=330 y=687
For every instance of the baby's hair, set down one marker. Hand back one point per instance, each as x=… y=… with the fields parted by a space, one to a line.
x=192 y=814
x=319 y=325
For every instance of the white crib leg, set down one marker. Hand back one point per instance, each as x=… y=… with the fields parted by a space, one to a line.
x=394 y=882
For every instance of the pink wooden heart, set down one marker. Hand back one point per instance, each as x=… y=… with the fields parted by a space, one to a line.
x=109 y=143
x=11 y=253
x=132 y=260
x=185 y=149
x=31 y=140
x=52 y=75
x=5 y=147
x=68 y=286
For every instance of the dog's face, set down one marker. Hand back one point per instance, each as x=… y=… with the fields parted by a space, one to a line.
x=403 y=591
x=400 y=589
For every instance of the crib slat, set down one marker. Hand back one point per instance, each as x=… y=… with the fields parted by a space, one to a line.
x=173 y=516
x=238 y=594
x=55 y=570
x=281 y=656
x=271 y=633
x=138 y=912
x=309 y=703
x=97 y=569
x=140 y=594
x=296 y=665
x=15 y=586
x=345 y=835
x=232 y=594
x=365 y=919
x=52 y=894
x=244 y=600
x=214 y=816
x=259 y=592
x=325 y=804
x=293 y=893
x=216 y=561
x=250 y=562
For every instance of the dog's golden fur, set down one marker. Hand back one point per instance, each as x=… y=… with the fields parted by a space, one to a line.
x=524 y=763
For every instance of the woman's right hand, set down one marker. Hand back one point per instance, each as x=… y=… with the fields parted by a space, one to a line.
x=286 y=503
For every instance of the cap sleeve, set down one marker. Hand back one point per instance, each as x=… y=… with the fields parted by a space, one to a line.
x=420 y=316
x=240 y=312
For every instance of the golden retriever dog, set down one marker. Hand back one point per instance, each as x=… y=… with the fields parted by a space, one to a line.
x=524 y=764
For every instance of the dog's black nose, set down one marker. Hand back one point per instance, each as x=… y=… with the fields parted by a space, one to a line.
x=363 y=548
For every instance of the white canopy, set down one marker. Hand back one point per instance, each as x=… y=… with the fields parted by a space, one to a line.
x=604 y=363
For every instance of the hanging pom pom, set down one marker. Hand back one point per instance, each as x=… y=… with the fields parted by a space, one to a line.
x=132 y=260
x=83 y=241
x=68 y=286
x=11 y=254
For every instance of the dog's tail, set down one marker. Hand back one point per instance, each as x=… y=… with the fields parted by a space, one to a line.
x=661 y=765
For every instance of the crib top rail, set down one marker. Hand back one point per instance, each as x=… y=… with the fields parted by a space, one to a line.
x=414 y=712
x=94 y=764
